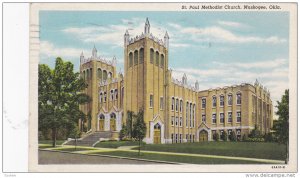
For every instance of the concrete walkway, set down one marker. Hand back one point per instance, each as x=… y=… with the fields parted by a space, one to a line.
x=128 y=148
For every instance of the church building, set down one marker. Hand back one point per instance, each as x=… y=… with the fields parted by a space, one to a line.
x=174 y=110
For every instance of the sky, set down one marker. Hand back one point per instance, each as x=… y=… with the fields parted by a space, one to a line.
x=216 y=48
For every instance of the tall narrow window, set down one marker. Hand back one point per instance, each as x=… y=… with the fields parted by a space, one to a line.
x=238 y=98
x=203 y=103
x=99 y=74
x=230 y=117
x=162 y=60
x=130 y=59
x=141 y=55
x=214 y=100
x=151 y=55
x=151 y=101
x=204 y=118
x=214 y=120
x=176 y=121
x=173 y=103
x=176 y=106
x=104 y=75
x=100 y=97
x=104 y=96
x=221 y=100
x=88 y=74
x=172 y=120
x=161 y=103
x=135 y=57
x=222 y=118
x=180 y=121
x=116 y=94
x=238 y=116
x=180 y=107
x=230 y=99
x=111 y=95
x=157 y=58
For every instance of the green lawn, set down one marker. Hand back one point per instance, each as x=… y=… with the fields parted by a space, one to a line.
x=239 y=149
x=71 y=149
x=116 y=144
x=175 y=158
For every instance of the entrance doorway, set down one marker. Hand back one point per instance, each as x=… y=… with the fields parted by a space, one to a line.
x=112 y=122
x=101 y=122
x=157 y=134
x=203 y=136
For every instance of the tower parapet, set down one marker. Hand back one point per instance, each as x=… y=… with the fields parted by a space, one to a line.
x=94 y=56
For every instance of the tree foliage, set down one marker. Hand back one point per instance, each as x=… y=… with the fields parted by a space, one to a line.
x=281 y=126
x=139 y=128
x=59 y=97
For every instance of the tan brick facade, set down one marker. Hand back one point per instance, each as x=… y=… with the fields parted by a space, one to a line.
x=173 y=110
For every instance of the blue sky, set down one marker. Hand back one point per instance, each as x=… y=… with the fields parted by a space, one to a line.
x=216 y=48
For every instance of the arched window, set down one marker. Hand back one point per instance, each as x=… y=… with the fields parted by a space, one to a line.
x=101 y=117
x=135 y=57
x=162 y=60
x=104 y=75
x=104 y=96
x=177 y=103
x=111 y=95
x=151 y=55
x=173 y=103
x=180 y=107
x=141 y=53
x=99 y=73
x=84 y=76
x=109 y=75
x=157 y=126
x=130 y=59
x=112 y=116
x=157 y=58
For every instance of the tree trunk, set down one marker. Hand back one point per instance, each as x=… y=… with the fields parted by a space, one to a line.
x=54 y=137
x=139 y=146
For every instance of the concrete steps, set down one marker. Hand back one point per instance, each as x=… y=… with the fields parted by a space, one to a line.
x=91 y=139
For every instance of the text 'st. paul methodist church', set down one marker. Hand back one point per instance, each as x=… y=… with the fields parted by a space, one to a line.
x=174 y=111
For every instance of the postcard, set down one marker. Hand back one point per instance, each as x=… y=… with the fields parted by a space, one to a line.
x=163 y=87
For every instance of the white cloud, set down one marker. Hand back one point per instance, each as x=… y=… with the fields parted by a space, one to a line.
x=49 y=50
x=262 y=64
x=231 y=24
x=219 y=34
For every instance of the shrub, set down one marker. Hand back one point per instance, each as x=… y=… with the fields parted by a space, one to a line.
x=216 y=136
x=123 y=133
x=255 y=140
x=245 y=137
x=269 y=137
x=232 y=137
x=224 y=136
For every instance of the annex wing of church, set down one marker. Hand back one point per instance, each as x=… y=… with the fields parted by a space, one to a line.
x=174 y=111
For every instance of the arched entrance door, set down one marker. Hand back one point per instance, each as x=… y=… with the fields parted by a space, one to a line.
x=101 y=122
x=203 y=136
x=157 y=134
x=112 y=122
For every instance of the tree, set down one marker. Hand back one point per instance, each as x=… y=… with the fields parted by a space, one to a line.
x=281 y=126
x=59 y=97
x=123 y=132
x=139 y=128
x=75 y=133
x=130 y=123
x=255 y=133
x=224 y=136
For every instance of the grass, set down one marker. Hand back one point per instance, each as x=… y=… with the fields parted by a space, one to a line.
x=116 y=144
x=238 y=149
x=176 y=158
x=71 y=149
